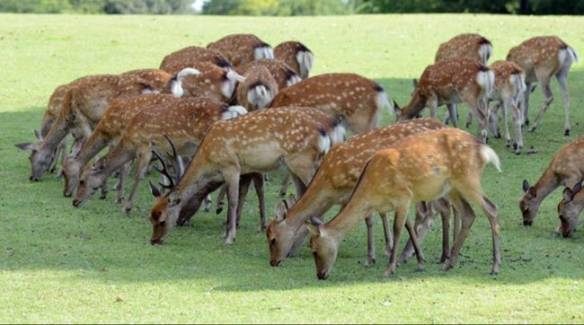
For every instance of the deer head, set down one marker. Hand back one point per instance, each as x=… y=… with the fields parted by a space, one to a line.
x=92 y=178
x=529 y=204
x=290 y=239
x=568 y=210
x=41 y=157
x=324 y=248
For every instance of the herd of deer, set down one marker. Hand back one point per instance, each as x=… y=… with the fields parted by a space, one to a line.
x=221 y=117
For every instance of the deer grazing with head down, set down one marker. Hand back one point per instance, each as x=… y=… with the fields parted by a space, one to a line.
x=183 y=120
x=192 y=55
x=240 y=49
x=82 y=108
x=565 y=169
x=449 y=82
x=542 y=58
x=297 y=56
x=333 y=183
x=570 y=208
x=254 y=143
x=423 y=167
x=257 y=90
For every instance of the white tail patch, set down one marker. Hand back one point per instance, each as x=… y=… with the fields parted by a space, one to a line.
x=337 y=134
x=485 y=52
x=490 y=156
x=260 y=96
x=305 y=61
x=294 y=79
x=228 y=86
x=382 y=101
x=519 y=87
x=567 y=56
x=233 y=112
x=176 y=85
x=324 y=143
x=264 y=52
x=232 y=75
x=486 y=79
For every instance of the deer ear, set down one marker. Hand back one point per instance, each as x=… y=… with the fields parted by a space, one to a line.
x=37 y=135
x=281 y=211
x=567 y=194
x=396 y=108
x=154 y=190
x=26 y=146
x=525 y=186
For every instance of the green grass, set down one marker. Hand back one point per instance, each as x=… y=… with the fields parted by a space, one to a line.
x=60 y=264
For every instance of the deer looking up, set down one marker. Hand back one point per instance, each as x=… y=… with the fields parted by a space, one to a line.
x=297 y=56
x=422 y=167
x=542 y=58
x=240 y=49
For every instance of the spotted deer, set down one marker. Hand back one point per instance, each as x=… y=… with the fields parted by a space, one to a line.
x=184 y=121
x=205 y=80
x=570 y=208
x=465 y=46
x=240 y=49
x=565 y=169
x=542 y=58
x=280 y=71
x=82 y=108
x=356 y=99
x=258 y=90
x=297 y=56
x=423 y=167
x=257 y=142
x=333 y=184
x=192 y=55
x=449 y=82
x=508 y=94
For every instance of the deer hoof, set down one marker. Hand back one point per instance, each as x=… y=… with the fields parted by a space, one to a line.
x=567 y=132
x=389 y=272
x=369 y=262
x=494 y=273
x=421 y=268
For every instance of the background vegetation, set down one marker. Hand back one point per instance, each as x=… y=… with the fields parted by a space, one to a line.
x=94 y=264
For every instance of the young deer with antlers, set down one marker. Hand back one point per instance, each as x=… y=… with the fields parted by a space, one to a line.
x=83 y=106
x=422 y=167
x=542 y=58
x=450 y=82
x=185 y=121
x=240 y=49
x=357 y=99
x=333 y=184
x=565 y=169
x=192 y=55
x=257 y=142
x=297 y=56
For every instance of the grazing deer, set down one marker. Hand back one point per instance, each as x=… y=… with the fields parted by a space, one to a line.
x=357 y=99
x=83 y=106
x=422 y=167
x=570 y=208
x=565 y=169
x=541 y=58
x=205 y=80
x=333 y=184
x=508 y=93
x=184 y=121
x=258 y=90
x=465 y=46
x=297 y=56
x=189 y=56
x=451 y=82
x=240 y=49
x=280 y=71
x=257 y=142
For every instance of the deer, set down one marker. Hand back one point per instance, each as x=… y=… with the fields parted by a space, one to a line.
x=449 y=82
x=258 y=90
x=284 y=75
x=423 y=167
x=83 y=106
x=255 y=143
x=569 y=209
x=565 y=169
x=356 y=99
x=542 y=58
x=333 y=184
x=297 y=56
x=189 y=56
x=508 y=94
x=240 y=49
x=185 y=121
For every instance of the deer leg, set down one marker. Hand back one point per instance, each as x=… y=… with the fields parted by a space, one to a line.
x=123 y=175
x=433 y=106
x=401 y=214
x=232 y=181
x=142 y=162
x=444 y=210
x=221 y=199
x=423 y=223
x=298 y=184
x=526 y=94
x=258 y=184
x=452 y=114
x=563 y=82
x=386 y=234
x=549 y=98
x=370 y=242
x=243 y=189
x=417 y=249
x=494 y=121
x=284 y=186
x=207 y=203
x=468 y=217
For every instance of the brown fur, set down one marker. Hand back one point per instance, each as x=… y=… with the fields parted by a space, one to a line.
x=238 y=48
x=188 y=56
x=256 y=76
x=288 y=51
x=463 y=46
x=279 y=70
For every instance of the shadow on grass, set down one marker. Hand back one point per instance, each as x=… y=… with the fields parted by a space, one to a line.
x=41 y=231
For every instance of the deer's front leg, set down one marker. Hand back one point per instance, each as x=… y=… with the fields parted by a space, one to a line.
x=370 y=241
x=141 y=166
x=258 y=183
x=401 y=214
x=231 y=176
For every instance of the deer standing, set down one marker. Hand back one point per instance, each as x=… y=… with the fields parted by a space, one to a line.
x=280 y=71
x=565 y=169
x=542 y=58
x=451 y=82
x=333 y=184
x=257 y=142
x=192 y=55
x=297 y=56
x=258 y=90
x=570 y=208
x=422 y=167
x=240 y=49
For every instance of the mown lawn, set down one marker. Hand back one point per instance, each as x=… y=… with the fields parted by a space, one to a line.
x=60 y=264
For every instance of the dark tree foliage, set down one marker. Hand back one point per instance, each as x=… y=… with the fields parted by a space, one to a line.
x=96 y=6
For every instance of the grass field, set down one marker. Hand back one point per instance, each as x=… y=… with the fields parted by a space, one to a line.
x=60 y=264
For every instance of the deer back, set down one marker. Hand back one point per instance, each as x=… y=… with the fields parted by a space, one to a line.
x=242 y=48
x=258 y=89
x=297 y=56
x=280 y=71
x=536 y=53
x=465 y=46
x=186 y=57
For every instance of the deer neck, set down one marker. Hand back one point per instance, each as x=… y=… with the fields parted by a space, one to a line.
x=545 y=185
x=346 y=220
x=313 y=203
x=416 y=104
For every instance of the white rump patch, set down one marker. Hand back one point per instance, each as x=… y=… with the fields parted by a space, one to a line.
x=305 y=60
x=260 y=96
x=265 y=52
x=567 y=56
x=486 y=79
x=294 y=79
x=485 y=52
x=228 y=86
x=324 y=143
x=490 y=156
x=233 y=112
x=176 y=85
x=337 y=135
x=382 y=101
x=519 y=87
